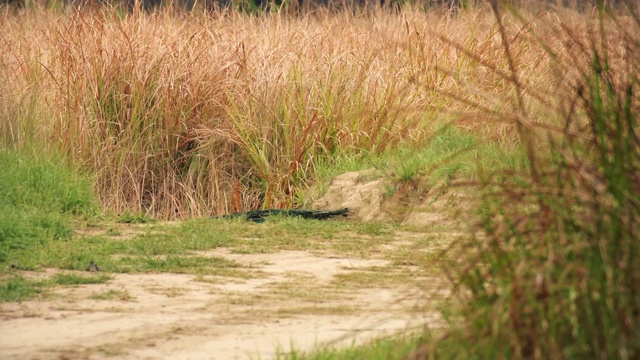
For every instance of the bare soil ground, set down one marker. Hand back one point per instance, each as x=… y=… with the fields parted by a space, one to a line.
x=177 y=316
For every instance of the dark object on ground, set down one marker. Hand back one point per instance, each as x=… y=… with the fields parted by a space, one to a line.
x=259 y=216
x=93 y=267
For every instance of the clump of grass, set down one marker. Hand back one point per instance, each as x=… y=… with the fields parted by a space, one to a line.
x=552 y=270
x=40 y=196
x=17 y=288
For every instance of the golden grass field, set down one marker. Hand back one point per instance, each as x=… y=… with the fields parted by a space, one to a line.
x=182 y=115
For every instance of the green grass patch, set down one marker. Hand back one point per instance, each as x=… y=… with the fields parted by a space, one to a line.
x=169 y=247
x=398 y=347
x=40 y=197
x=18 y=288
x=447 y=154
x=285 y=233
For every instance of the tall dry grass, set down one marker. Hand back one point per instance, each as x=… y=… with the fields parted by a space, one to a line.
x=192 y=115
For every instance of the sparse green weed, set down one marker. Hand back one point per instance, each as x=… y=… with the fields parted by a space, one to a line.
x=112 y=295
x=18 y=288
x=73 y=279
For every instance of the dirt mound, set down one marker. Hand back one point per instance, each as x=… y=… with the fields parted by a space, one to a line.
x=370 y=197
x=360 y=191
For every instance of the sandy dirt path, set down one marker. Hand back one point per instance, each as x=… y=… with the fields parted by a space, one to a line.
x=178 y=316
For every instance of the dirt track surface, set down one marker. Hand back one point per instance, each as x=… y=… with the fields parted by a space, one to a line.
x=178 y=316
